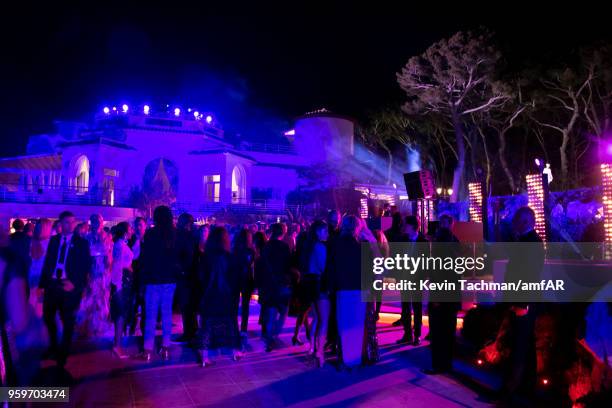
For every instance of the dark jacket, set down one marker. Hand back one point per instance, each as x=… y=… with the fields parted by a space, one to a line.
x=20 y=244
x=160 y=259
x=274 y=273
x=344 y=262
x=186 y=247
x=220 y=282
x=78 y=262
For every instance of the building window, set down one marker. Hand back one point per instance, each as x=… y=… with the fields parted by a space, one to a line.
x=212 y=188
x=79 y=179
x=238 y=184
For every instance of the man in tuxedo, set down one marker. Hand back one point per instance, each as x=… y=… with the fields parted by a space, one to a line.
x=412 y=301
x=64 y=276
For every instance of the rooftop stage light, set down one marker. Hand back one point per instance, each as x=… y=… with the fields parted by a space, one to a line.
x=606 y=183
x=439 y=190
x=146 y=109
x=475 y=201
x=125 y=108
x=537 y=162
x=290 y=132
x=196 y=115
x=106 y=110
x=209 y=119
x=535 y=200
x=177 y=112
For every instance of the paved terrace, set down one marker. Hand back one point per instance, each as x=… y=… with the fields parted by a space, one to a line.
x=281 y=378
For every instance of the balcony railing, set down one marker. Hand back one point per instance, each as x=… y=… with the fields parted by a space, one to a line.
x=267 y=148
x=42 y=194
x=37 y=194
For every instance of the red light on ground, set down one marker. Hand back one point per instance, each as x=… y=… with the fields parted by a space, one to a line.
x=545 y=381
x=479 y=362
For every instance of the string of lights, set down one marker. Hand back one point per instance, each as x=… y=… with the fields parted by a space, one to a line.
x=475 y=201
x=146 y=110
x=535 y=200
x=606 y=183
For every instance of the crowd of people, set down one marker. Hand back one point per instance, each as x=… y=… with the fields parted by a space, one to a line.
x=130 y=276
x=126 y=278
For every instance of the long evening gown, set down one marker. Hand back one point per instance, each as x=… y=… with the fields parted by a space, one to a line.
x=93 y=319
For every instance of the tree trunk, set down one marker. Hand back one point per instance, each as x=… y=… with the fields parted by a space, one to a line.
x=564 y=161
x=488 y=160
x=459 y=169
x=502 y=159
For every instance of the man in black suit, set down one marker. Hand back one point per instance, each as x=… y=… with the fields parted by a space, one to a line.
x=412 y=301
x=64 y=277
x=526 y=261
x=443 y=305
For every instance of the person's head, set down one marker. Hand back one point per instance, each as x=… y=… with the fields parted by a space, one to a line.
x=243 y=239
x=162 y=217
x=277 y=231
x=140 y=226
x=67 y=222
x=319 y=231
x=42 y=229
x=218 y=241
x=523 y=221
x=185 y=222
x=28 y=229
x=82 y=229
x=259 y=240
x=18 y=225
x=97 y=223
x=56 y=228
x=350 y=226
x=446 y=221
x=334 y=219
x=411 y=225
x=396 y=221
x=123 y=230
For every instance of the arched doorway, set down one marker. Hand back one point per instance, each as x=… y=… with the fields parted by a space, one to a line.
x=238 y=184
x=79 y=174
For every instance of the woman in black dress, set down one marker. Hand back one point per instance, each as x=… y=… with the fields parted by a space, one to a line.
x=220 y=283
x=244 y=256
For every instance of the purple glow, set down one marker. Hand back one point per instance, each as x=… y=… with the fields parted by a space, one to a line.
x=537 y=162
x=106 y=110
x=125 y=108
x=146 y=109
x=209 y=119
x=177 y=112
x=290 y=132
x=609 y=149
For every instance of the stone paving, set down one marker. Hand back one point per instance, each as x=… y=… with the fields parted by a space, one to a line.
x=284 y=377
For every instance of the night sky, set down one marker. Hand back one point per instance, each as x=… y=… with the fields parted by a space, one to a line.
x=255 y=72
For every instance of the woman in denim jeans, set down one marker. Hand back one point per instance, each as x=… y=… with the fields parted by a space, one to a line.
x=159 y=275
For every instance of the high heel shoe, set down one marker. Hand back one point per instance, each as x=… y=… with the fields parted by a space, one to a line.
x=164 y=353
x=204 y=362
x=296 y=341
